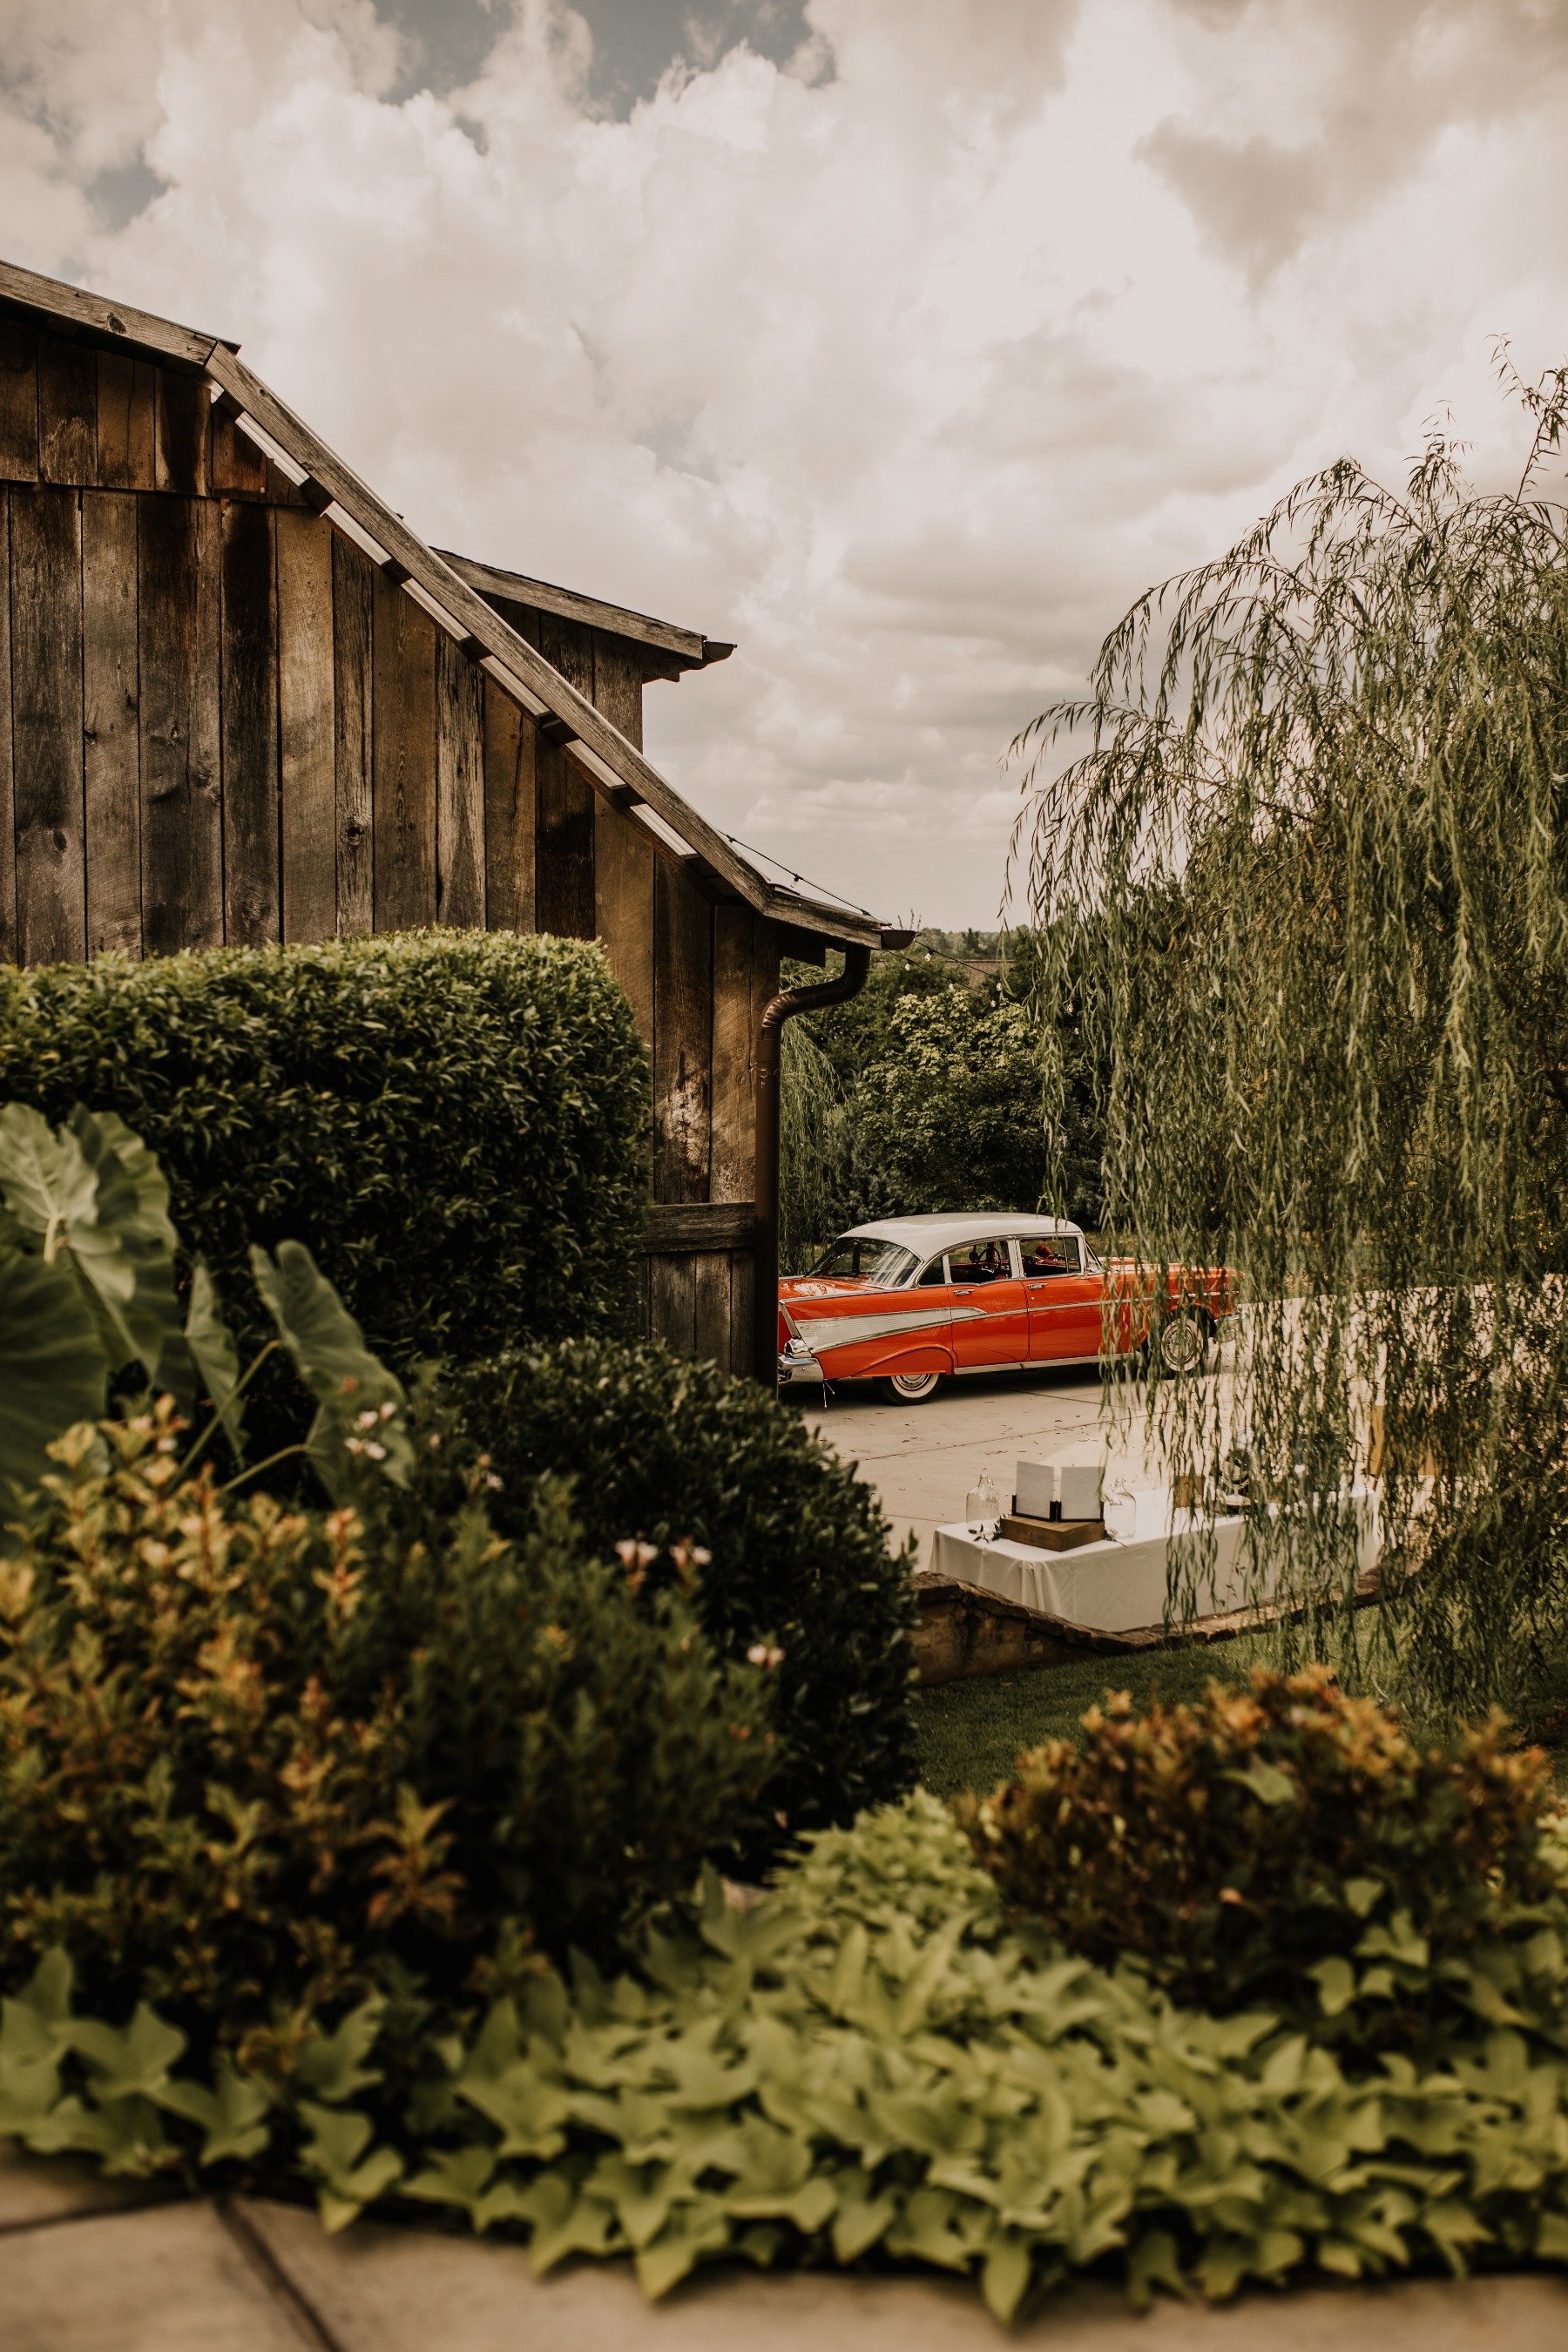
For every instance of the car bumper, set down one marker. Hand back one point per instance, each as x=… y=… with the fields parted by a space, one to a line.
x=799 y=1371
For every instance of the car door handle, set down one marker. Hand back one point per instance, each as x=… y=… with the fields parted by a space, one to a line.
x=961 y=1294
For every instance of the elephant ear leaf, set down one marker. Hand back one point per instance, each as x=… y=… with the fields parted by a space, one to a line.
x=52 y=1371
x=214 y=1355
x=127 y=1255
x=359 y=1419
x=47 y=1184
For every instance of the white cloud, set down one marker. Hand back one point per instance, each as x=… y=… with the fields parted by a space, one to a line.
x=906 y=364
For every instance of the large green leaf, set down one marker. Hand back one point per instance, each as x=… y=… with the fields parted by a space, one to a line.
x=52 y=1371
x=47 y=1183
x=360 y=1417
x=90 y=1197
x=213 y=1351
x=132 y=1234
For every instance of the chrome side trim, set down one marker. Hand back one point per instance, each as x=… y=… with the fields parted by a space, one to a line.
x=827 y=1331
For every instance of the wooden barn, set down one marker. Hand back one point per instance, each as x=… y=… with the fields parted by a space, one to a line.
x=240 y=701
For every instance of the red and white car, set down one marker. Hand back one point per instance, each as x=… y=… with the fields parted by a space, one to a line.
x=910 y=1301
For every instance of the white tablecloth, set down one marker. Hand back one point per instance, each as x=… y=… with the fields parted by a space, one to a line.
x=1113 y=1586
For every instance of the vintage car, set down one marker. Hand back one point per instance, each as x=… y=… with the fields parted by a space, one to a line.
x=910 y=1301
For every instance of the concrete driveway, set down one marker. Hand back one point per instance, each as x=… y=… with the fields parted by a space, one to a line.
x=923 y=1459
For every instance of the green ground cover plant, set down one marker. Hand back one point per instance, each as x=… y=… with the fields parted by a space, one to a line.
x=453 y=1123
x=254 y=1760
x=790 y=1548
x=868 y=2066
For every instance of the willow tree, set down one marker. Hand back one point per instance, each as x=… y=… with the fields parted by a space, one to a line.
x=1300 y=854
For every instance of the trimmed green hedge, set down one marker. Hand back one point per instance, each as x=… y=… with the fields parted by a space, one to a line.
x=668 y=1449
x=453 y=1122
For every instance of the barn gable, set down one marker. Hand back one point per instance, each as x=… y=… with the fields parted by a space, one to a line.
x=240 y=701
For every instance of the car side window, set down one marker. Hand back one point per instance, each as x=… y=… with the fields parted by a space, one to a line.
x=931 y=1277
x=981 y=1262
x=1048 y=1254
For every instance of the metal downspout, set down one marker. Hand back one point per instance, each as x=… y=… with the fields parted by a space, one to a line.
x=770 y=1032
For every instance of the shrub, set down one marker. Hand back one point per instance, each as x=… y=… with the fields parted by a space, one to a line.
x=452 y=1122
x=867 y=2065
x=248 y=1759
x=669 y=1449
x=1282 y=1845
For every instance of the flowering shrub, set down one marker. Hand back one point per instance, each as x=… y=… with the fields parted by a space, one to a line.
x=252 y=1759
x=1281 y=1845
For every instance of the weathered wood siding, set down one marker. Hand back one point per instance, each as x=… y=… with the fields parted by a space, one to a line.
x=221 y=722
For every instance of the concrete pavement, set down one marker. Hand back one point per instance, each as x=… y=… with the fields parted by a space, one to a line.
x=82 y=2269
x=923 y=1459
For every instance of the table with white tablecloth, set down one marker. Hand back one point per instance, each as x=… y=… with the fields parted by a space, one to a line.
x=1119 y=1584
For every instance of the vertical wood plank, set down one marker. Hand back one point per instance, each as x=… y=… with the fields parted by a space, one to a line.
x=8 y=953
x=624 y=860
x=18 y=403
x=623 y=854
x=280 y=490
x=353 y=640
x=563 y=885
x=238 y=468
x=307 y=710
x=460 y=788
x=403 y=760
x=734 y=1030
x=179 y=598
x=711 y=1307
x=127 y=422
x=249 y=728
x=184 y=415
x=511 y=787
x=682 y=1036
x=46 y=724
x=111 y=756
x=672 y=1300
x=743 y=1290
x=68 y=411
x=618 y=684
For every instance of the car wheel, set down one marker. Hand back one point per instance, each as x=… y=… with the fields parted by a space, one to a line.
x=909 y=1388
x=1184 y=1343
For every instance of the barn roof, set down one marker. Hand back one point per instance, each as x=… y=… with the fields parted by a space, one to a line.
x=449 y=588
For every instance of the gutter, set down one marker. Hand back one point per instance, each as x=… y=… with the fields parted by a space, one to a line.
x=770 y=1035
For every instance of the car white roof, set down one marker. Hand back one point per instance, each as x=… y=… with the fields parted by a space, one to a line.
x=938 y=1230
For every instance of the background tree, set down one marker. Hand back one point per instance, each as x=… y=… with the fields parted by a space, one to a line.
x=1305 y=874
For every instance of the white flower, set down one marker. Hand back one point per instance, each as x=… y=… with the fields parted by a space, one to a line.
x=764 y=1654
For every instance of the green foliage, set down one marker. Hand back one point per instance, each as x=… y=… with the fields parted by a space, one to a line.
x=252 y=1759
x=87 y=1278
x=927 y=1092
x=865 y=2067
x=1279 y=1846
x=1312 y=846
x=950 y=1116
x=675 y=1452
x=815 y=1146
x=89 y=1307
x=451 y=1122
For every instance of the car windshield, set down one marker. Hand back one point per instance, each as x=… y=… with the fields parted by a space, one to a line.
x=858 y=1259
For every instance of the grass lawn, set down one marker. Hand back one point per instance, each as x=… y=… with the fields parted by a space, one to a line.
x=970 y=1732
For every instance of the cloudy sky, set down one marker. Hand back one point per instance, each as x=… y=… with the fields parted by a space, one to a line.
x=902 y=341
